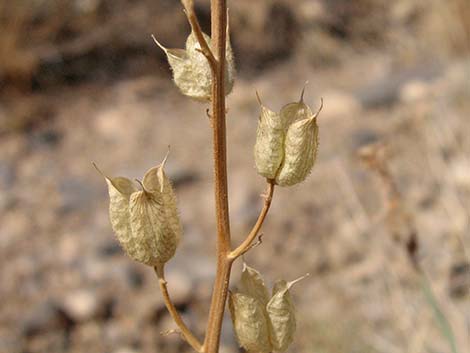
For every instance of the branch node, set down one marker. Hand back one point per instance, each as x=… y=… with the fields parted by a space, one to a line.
x=183 y=329
x=196 y=29
x=247 y=245
x=254 y=245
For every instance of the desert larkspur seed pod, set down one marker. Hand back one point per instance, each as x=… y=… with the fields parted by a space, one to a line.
x=191 y=70
x=146 y=222
x=262 y=324
x=250 y=323
x=286 y=143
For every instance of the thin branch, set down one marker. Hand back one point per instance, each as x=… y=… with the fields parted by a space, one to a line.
x=255 y=244
x=196 y=28
x=185 y=332
x=245 y=246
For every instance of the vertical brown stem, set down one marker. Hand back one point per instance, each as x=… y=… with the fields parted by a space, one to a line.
x=219 y=295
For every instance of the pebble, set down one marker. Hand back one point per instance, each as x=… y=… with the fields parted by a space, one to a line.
x=45 y=317
x=414 y=90
x=339 y=105
x=81 y=305
x=460 y=172
x=75 y=193
x=7 y=175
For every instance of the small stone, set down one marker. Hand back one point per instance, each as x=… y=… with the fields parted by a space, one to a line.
x=340 y=105
x=460 y=172
x=45 y=317
x=7 y=175
x=75 y=194
x=81 y=305
x=134 y=277
x=414 y=90
x=109 y=248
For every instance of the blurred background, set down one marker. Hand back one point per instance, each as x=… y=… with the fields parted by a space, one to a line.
x=82 y=81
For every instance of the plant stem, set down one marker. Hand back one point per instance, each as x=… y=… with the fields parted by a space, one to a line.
x=243 y=247
x=224 y=265
x=187 y=334
x=196 y=29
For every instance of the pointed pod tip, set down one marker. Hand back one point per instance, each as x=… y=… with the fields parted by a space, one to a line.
x=320 y=108
x=303 y=92
x=295 y=281
x=258 y=98
x=166 y=156
x=159 y=44
x=99 y=170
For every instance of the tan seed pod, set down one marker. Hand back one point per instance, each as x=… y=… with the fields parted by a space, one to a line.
x=269 y=146
x=156 y=181
x=300 y=145
x=120 y=191
x=230 y=65
x=191 y=70
x=146 y=222
x=253 y=285
x=281 y=313
x=250 y=323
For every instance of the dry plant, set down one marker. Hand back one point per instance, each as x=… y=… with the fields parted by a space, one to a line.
x=399 y=222
x=146 y=220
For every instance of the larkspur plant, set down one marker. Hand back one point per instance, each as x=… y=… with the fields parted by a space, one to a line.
x=146 y=221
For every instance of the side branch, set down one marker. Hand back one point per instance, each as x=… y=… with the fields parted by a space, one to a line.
x=196 y=28
x=187 y=334
x=245 y=246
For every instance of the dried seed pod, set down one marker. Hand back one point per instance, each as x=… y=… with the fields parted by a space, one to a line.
x=250 y=323
x=269 y=146
x=156 y=181
x=253 y=285
x=191 y=71
x=146 y=222
x=300 y=145
x=286 y=143
x=281 y=314
x=120 y=190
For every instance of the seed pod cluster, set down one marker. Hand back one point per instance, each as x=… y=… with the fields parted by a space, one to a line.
x=191 y=70
x=286 y=143
x=262 y=323
x=146 y=222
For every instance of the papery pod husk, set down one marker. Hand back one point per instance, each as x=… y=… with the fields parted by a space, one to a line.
x=201 y=75
x=154 y=218
x=230 y=66
x=156 y=181
x=253 y=285
x=300 y=144
x=146 y=223
x=120 y=190
x=147 y=219
x=281 y=313
x=250 y=323
x=269 y=145
x=184 y=74
x=191 y=70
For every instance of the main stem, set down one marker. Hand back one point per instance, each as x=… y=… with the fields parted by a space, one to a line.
x=224 y=264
